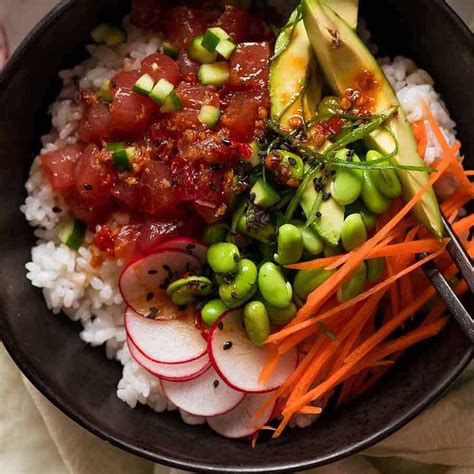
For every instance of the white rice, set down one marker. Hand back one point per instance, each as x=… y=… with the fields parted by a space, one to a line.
x=70 y=283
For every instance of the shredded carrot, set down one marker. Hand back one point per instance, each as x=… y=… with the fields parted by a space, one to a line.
x=419 y=130
x=391 y=250
x=384 y=284
x=309 y=410
x=469 y=172
x=464 y=224
x=269 y=366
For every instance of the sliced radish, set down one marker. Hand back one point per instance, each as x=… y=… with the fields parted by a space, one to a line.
x=239 y=362
x=206 y=395
x=242 y=421
x=176 y=372
x=171 y=341
x=189 y=246
x=143 y=282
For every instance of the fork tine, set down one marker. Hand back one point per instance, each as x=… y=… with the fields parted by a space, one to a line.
x=449 y=297
x=459 y=255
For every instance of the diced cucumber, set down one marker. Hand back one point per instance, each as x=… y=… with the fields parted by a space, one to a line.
x=212 y=37
x=263 y=194
x=209 y=115
x=72 y=233
x=172 y=103
x=215 y=74
x=104 y=92
x=254 y=159
x=225 y=48
x=121 y=154
x=161 y=91
x=170 y=50
x=144 y=85
x=197 y=52
x=108 y=34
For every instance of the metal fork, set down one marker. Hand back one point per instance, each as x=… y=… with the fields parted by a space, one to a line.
x=444 y=290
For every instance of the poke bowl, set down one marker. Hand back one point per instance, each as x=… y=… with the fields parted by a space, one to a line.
x=228 y=202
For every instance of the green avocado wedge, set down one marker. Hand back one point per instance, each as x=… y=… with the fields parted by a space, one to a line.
x=295 y=81
x=343 y=57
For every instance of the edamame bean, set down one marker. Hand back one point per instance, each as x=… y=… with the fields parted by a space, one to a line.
x=387 y=181
x=290 y=244
x=281 y=315
x=215 y=233
x=307 y=281
x=311 y=240
x=185 y=290
x=223 y=257
x=212 y=310
x=330 y=251
x=293 y=162
x=368 y=217
x=353 y=232
x=256 y=322
x=347 y=184
x=354 y=286
x=375 y=269
x=372 y=197
x=243 y=286
x=328 y=106
x=273 y=287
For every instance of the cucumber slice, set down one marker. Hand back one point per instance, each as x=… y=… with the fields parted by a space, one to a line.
x=121 y=155
x=263 y=194
x=161 y=91
x=170 y=50
x=254 y=160
x=199 y=53
x=212 y=37
x=172 y=103
x=104 y=92
x=108 y=34
x=209 y=115
x=215 y=74
x=144 y=85
x=72 y=233
x=225 y=48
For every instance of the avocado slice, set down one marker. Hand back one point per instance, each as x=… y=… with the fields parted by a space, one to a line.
x=329 y=225
x=295 y=78
x=295 y=83
x=342 y=57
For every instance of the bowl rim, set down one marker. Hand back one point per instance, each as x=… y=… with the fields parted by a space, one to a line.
x=11 y=67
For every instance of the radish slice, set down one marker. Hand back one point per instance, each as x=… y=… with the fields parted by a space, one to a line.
x=169 y=342
x=241 y=421
x=189 y=246
x=177 y=372
x=206 y=395
x=239 y=362
x=143 y=282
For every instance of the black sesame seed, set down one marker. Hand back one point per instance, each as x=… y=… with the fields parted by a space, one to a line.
x=333 y=172
x=276 y=153
x=152 y=272
x=215 y=383
x=234 y=295
x=350 y=153
x=226 y=142
x=113 y=84
x=326 y=196
x=149 y=296
x=153 y=312
x=227 y=345
x=318 y=214
x=88 y=187
x=165 y=267
x=349 y=158
x=236 y=258
x=220 y=325
x=190 y=248
x=57 y=209
x=292 y=161
x=157 y=142
x=323 y=165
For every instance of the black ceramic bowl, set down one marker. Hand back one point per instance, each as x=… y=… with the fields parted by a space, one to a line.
x=81 y=381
